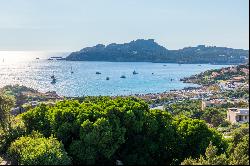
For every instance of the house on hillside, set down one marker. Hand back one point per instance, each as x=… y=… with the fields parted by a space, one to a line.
x=213 y=102
x=215 y=74
x=245 y=70
x=238 y=79
x=240 y=115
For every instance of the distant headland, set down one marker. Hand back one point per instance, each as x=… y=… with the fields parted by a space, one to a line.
x=149 y=51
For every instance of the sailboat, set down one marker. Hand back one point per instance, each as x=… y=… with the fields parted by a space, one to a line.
x=123 y=76
x=71 y=70
x=53 y=81
x=134 y=72
x=53 y=78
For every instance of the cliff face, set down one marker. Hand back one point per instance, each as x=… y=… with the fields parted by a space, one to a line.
x=149 y=51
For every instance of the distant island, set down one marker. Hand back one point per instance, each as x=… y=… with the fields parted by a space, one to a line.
x=149 y=51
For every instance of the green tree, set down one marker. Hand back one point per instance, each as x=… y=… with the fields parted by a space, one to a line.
x=210 y=158
x=196 y=137
x=6 y=103
x=37 y=150
x=156 y=142
x=36 y=119
x=101 y=130
x=240 y=156
x=214 y=116
x=189 y=108
x=99 y=141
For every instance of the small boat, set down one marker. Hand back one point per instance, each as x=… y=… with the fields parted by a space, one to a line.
x=123 y=76
x=107 y=78
x=56 y=58
x=71 y=70
x=134 y=72
x=164 y=65
x=98 y=72
x=53 y=81
x=152 y=73
x=172 y=79
x=53 y=76
x=37 y=58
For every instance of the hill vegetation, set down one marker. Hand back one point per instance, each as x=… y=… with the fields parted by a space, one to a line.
x=102 y=130
x=149 y=51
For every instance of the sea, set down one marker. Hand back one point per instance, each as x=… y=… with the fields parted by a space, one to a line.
x=33 y=69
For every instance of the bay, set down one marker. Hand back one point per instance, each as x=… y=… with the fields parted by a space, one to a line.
x=36 y=73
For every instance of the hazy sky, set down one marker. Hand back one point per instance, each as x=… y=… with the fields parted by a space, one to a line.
x=69 y=25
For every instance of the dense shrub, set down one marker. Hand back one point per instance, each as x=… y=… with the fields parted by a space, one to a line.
x=197 y=136
x=214 y=116
x=210 y=158
x=6 y=103
x=37 y=150
x=240 y=155
x=101 y=130
x=16 y=130
x=189 y=108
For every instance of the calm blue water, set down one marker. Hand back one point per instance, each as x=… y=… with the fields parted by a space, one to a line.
x=36 y=74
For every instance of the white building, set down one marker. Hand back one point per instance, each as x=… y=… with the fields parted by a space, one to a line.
x=240 y=115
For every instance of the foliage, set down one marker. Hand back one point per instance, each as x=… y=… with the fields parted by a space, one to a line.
x=239 y=133
x=211 y=158
x=155 y=142
x=149 y=51
x=36 y=119
x=238 y=93
x=17 y=130
x=6 y=103
x=197 y=136
x=206 y=78
x=214 y=116
x=240 y=156
x=37 y=150
x=101 y=130
x=107 y=139
x=16 y=90
x=189 y=108
x=237 y=137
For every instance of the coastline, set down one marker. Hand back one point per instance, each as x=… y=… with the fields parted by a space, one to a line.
x=200 y=92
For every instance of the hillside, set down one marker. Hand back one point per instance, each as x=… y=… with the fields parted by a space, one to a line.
x=149 y=51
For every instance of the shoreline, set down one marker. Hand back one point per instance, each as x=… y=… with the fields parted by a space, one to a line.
x=187 y=80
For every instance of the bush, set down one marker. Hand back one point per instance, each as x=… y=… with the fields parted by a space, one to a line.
x=37 y=150
x=16 y=130
x=197 y=136
x=101 y=130
x=210 y=158
x=240 y=156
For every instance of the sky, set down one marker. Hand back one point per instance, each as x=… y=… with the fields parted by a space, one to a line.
x=70 y=25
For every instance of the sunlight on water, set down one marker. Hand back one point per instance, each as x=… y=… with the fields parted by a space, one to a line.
x=24 y=69
x=14 y=57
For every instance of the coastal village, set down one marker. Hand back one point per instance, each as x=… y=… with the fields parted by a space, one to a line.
x=228 y=87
